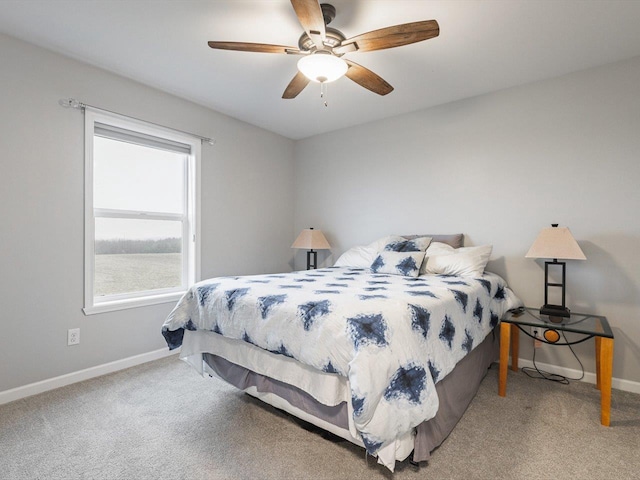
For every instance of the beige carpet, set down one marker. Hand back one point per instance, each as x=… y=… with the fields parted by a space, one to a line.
x=162 y=421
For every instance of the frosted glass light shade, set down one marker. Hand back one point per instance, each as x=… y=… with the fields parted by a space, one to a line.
x=322 y=67
x=312 y=240
x=556 y=242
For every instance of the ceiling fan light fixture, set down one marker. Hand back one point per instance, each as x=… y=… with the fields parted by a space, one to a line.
x=322 y=47
x=322 y=67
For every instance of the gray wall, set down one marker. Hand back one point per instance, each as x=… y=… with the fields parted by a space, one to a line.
x=498 y=168
x=247 y=210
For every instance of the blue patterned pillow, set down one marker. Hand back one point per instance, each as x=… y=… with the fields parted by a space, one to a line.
x=419 y=244
x=398 y=263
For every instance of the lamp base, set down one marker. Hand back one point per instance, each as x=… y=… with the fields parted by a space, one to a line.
x=312 y=259
x=555 y=312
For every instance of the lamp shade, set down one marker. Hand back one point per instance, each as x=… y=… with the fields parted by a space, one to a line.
x=312 y=240
x=322 y=67
x=556 y=242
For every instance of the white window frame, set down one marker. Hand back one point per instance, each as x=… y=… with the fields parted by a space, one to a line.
x=190 y=219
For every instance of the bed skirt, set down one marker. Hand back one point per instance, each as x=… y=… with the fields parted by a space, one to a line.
x=455 y=393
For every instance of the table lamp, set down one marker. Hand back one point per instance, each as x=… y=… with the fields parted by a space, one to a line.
x=555 y=242
x=313 y=240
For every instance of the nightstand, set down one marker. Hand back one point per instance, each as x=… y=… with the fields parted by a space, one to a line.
x=589 y=326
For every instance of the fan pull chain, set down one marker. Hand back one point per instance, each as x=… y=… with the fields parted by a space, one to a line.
x=323 y=93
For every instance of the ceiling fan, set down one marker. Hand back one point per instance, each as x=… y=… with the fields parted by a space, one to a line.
x=322 y=48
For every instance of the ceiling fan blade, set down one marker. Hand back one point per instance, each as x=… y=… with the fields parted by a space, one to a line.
x=254 y=47
x=295 y=86
x=390 y=37
x=310 y=16
x=367 y=79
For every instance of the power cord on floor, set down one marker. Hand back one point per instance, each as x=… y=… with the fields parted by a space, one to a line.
x=535 y=372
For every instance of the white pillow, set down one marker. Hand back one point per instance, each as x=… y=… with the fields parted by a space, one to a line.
x=465 y=261
x=398 y=263
x=358 y=257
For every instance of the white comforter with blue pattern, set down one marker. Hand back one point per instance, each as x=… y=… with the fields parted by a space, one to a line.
x=392 y=336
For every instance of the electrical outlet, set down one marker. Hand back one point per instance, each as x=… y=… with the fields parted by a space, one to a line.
x=537 y=333
x=73 y=336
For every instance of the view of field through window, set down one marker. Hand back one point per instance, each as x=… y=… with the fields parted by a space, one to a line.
x=139 y=201
x=125 y=266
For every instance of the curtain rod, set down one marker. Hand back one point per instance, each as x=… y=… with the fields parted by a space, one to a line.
x=73 y=103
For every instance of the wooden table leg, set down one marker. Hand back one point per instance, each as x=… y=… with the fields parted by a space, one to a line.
x=598 y=373
x=606 y=371
x=505 y=334
x=515 y=346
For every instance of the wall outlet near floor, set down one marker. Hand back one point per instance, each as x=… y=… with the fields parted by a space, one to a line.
x=73 y=336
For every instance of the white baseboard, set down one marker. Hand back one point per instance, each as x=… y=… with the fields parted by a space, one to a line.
x=74 y=377
x=620 y=384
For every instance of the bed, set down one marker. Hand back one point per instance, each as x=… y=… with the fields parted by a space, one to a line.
x=386 y=349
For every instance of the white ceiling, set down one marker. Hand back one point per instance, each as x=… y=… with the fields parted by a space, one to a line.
x=484 y=45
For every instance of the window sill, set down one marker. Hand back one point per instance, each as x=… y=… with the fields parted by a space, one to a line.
x=112 y=306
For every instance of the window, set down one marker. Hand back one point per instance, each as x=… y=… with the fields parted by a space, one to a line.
x=141 y=211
